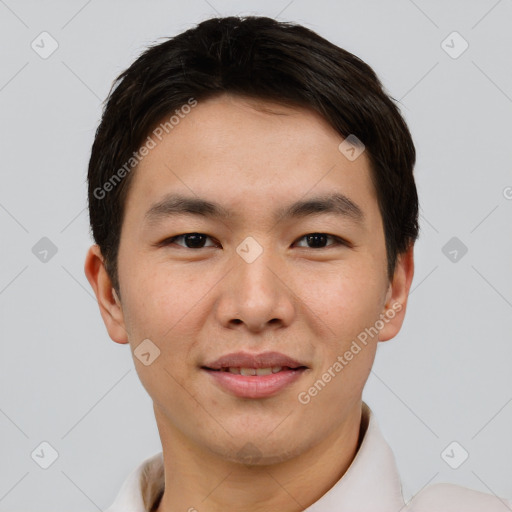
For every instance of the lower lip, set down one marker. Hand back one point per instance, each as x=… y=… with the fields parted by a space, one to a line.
x=255 y=386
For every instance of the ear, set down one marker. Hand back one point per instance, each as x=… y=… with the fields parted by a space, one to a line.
x=398 y=292
x=108 y=301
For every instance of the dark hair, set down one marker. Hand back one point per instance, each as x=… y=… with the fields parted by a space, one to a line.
x=262 y=58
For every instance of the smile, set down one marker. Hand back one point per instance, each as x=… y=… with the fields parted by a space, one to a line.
x=254 y=375
x=253 y=371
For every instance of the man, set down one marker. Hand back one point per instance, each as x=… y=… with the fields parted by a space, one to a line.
x=253 y=204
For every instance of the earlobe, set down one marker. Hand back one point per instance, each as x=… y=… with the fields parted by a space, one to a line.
x=108 y=301
x=397 y=296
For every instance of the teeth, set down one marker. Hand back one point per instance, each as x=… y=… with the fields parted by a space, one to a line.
x=263 y=371
x=253 y=371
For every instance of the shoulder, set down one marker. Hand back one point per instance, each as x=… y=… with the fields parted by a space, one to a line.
x=455 y=498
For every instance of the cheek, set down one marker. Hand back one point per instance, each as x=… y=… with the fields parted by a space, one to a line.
x=349 y=306
x=346 y=299
x=157 y=298
x=159 y=306
x=348 y=351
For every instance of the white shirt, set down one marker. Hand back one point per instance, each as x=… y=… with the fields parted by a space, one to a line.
x=370 y=484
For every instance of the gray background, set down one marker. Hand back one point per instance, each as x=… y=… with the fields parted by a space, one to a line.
x=446 y=377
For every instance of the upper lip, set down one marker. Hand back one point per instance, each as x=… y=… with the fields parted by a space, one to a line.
x=246 y=360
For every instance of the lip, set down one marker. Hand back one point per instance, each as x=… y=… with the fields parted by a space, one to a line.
x=254 y=386
x=246 y=360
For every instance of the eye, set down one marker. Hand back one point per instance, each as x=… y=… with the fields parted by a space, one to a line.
x=197 y=240
x=192 y=240
x=319 y=239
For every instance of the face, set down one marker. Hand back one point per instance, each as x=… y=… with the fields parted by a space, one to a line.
x=276 y=291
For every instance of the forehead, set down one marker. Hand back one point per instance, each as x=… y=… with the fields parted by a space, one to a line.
x=250 y=155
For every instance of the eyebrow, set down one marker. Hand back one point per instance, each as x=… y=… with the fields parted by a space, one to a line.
x=177 y=204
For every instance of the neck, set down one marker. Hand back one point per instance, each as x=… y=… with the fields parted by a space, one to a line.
x=199 y=481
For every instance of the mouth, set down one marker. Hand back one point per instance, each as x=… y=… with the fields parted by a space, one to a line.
x=246 y=372
x=254 y=375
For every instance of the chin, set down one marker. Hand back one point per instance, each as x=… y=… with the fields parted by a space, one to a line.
x=257 y=452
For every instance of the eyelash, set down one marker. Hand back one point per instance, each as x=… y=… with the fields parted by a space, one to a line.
x=338 y=241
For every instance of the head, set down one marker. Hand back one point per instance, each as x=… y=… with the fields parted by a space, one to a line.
x=243 y=118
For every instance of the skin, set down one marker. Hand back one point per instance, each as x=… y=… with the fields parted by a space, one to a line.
x=304 y=301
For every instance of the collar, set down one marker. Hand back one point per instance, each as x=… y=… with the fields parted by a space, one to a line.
x=371 y=482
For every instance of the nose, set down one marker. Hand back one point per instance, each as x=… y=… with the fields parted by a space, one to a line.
x=256 y=295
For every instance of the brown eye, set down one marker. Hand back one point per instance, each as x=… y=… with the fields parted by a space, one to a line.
x=191 y=240
x=319 y=240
